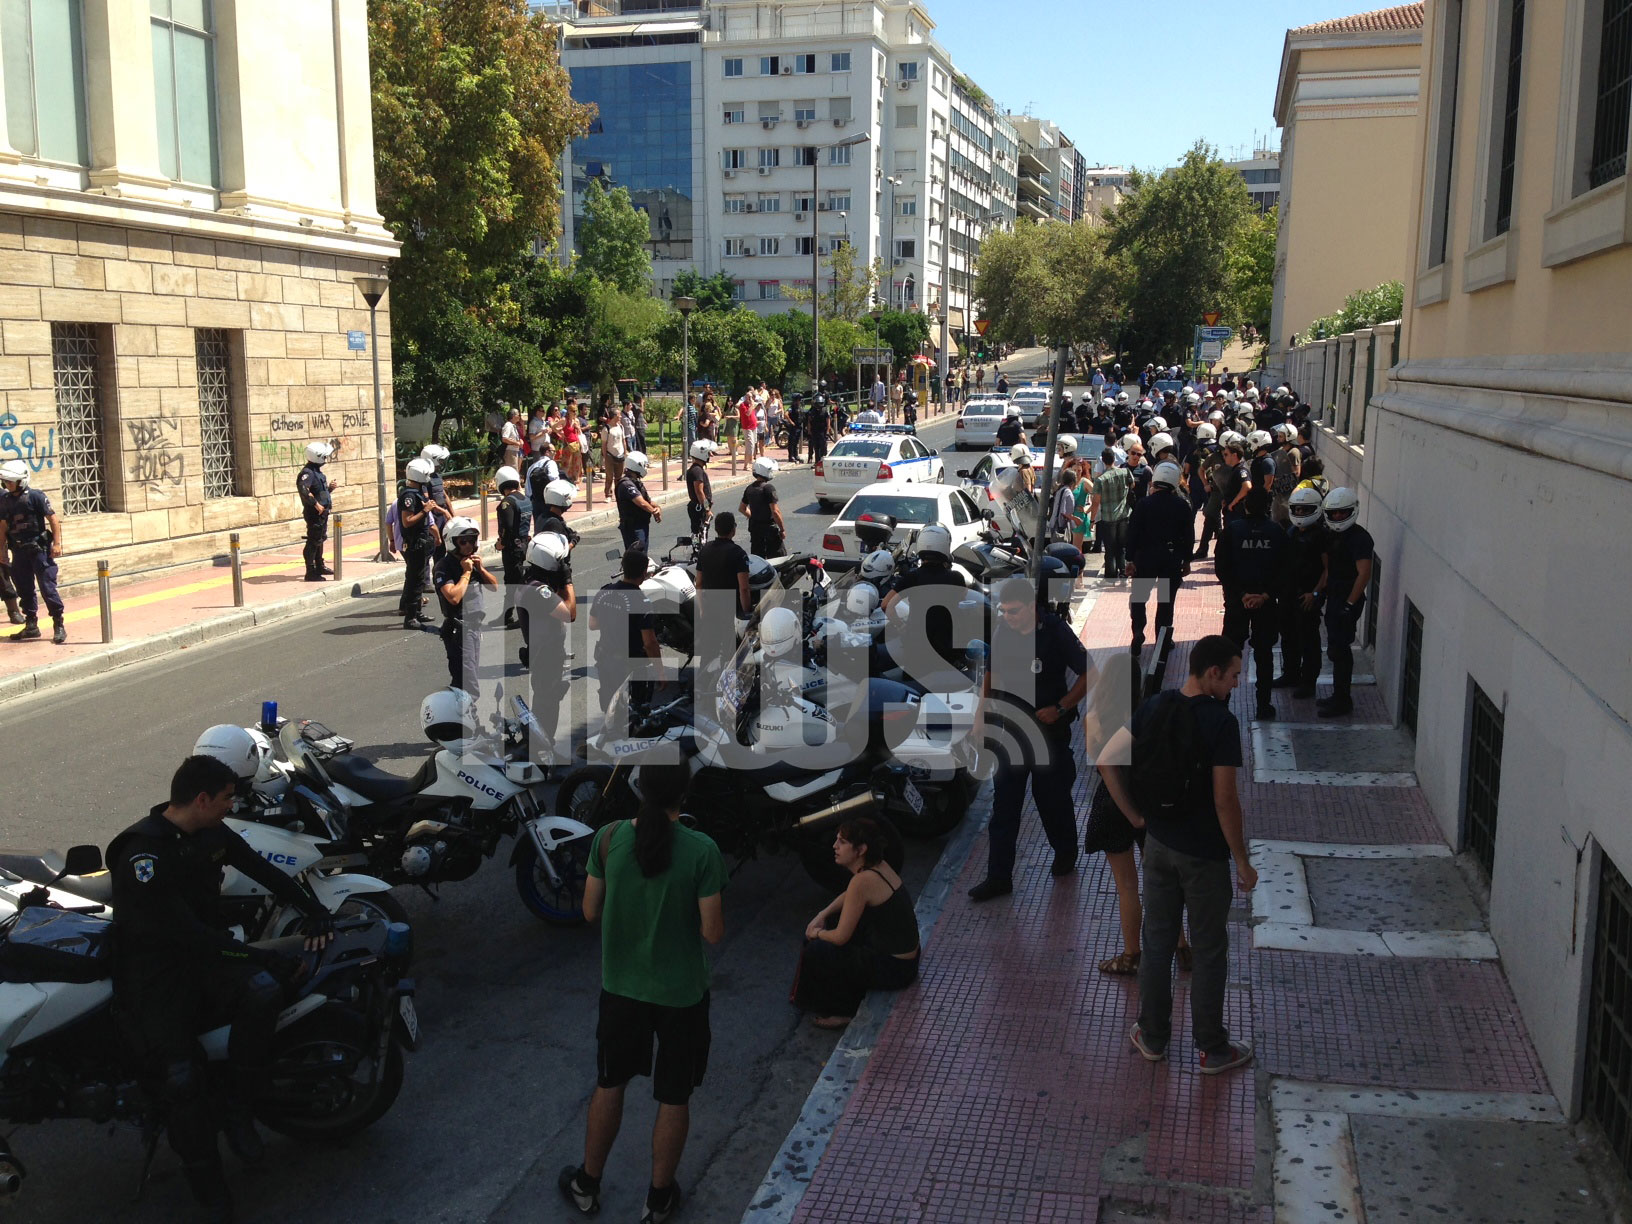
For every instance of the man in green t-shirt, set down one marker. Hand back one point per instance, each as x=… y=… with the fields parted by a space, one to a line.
x=655 y=885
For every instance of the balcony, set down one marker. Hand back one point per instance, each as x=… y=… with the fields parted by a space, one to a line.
x=1037 y=210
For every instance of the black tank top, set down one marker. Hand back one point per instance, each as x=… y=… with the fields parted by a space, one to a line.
x=890 y=927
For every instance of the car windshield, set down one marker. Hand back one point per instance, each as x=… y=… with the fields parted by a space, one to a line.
x=903 y=507
x=991 y=410
x=860 y=450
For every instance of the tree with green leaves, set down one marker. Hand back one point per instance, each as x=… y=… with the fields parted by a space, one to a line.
x=1177 y=231
x=852 y=285
x=793 y=329
x=903 y=331
x=717 y=292
x=471 y=111
x=1252 y=272
x=614 y=238
x=728 y=347
x=1052 y=280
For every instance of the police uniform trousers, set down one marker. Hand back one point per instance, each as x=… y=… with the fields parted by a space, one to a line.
x=1260 y=626
x=416 y=555
x=765 y=541
x=317 y=533
x=1166 y=591
x=698 y=514
x=1041 y=756
x=1211 y=513
x=462 y=642
x=1341 y=627
x=1300 y=640
x=793 y=443
x=33 y=568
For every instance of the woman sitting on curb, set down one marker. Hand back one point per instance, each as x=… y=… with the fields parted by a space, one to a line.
x=867 y=939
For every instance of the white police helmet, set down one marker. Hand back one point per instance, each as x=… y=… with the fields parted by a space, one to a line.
x=1121 y=397
x=1160 y=442
x=1340 y=507
x=506 y=475
x=1205 y=432
x=234 y=747
x=861 y=601
x=935 y=541
x=435 y=455
x=1231 y=438
x=1157 y=423
x=420 y=471
x=1067 y=446
x=560 y=493
x=319 y=452
x=1258 y=439
x=703 y=448
x=1286 y=432
x=1167 y=474
x=549 y=551
x=1020 y=453
x=636 y=463
x=1216 y=417
x=461 y=528
x=878 y=566
x=449 y=719
x=15 y=469
x=766 y=467
x=779 y=632
x=1304 y=507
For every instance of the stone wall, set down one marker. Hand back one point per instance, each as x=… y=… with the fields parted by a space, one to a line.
x=286 y=312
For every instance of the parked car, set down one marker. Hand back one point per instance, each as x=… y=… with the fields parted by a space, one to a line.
x=912 y=506
x=977 y=424
x=866 y=454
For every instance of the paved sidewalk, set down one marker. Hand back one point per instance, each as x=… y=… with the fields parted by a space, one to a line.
x=187 y=606
x=1394 y=1081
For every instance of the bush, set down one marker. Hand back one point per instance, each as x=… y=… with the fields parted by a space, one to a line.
x=1363 y=308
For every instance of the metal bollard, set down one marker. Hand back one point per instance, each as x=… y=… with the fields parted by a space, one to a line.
x=589 y=492
x=337 y=531
x=104 y=598
x=484 y=512
x=237 y=571
x=733 y=461
x=665 y=469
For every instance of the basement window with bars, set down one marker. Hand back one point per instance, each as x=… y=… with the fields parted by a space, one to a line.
x=75 y=361
x=1482 y=787
x=1411 y=670
x=1609 y=1040
x=1612 y=103
x=215 y=412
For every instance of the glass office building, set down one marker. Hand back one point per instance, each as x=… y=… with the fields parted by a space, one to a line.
x=641 y=138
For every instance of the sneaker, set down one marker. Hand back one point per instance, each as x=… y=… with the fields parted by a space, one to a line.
x=1239 y=1054
x=574 y=1189
x=658 y=1215
x=989 y=888
x=1065 y=862
x=1147 y=1050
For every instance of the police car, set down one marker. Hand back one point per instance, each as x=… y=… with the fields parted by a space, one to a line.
x=1032 y=402
x=977 y=424
x=912 y=506
x=866 y=454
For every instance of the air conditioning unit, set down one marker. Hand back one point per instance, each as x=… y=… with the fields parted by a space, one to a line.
x=767 y=124
x=798 y=218
x=824 y=207
x=787 y=69
x=840 y=122
x=802 y=123
x=748 y=254
x=765 y=169
x=904 y=83
x=730 y=172
x=747 y=208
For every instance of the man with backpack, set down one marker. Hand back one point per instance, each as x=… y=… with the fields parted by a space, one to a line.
x=1173 y=774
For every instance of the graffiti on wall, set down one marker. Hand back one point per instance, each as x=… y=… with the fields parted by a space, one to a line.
x=19 y=442
x=157 y=463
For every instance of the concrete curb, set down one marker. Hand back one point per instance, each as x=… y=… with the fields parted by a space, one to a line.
x=240 y=620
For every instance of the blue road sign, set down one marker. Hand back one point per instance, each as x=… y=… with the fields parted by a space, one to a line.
x=357 y=341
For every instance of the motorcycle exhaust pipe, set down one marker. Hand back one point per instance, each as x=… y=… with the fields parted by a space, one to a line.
x=842 y=808
x=11 y=1172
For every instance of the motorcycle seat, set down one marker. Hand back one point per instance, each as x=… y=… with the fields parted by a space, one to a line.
x=367 y=779
x=43 y=869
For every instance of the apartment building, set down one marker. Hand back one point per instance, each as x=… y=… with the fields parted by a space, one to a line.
x=1498 y=485
x=1051 y=171
x=186 y=194
x=1101 y=187
x=1262 y=174
x=758 y=136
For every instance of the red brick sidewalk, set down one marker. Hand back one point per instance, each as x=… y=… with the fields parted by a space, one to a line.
x=1003 y=1086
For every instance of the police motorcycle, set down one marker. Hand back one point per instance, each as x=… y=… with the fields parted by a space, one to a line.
x=993 y=558
x=476 y=789
x=65 y=1052
x=670 y=587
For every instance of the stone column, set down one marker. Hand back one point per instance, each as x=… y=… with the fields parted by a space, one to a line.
x=121 y=112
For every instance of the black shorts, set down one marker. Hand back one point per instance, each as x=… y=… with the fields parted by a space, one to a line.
x=623 y=1040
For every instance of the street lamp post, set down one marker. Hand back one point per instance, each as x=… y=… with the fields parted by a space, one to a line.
x=685 y=305
x=373 y=289
x=815 y=266
x=889 y=261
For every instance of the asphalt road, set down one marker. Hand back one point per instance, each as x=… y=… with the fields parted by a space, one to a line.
x=494 y=1101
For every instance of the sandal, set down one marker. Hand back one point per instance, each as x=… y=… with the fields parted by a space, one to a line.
x=1182 y=953
x=1123 y=964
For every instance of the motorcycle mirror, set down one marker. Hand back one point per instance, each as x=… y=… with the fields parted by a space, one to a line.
x=613 y=554
x=82 y=860
x=989 y=514
x=683 y=542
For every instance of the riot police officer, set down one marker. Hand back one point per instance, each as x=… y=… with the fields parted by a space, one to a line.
x=1301 y=594
x=636 y=509
x=315 y=491
x=699 y=488
x=558 y=498
x=178 y=969
x=548 y=605
x=436 y=496
x=759 y=506
x=419 y=535
x=1252 y=565
x=460 y=579
x=1161 y=537
x=30 y=530
x=816 y=427
x=1349 y=549
x=515 y=516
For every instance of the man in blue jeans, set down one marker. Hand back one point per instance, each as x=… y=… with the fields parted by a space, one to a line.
x=1192 y=831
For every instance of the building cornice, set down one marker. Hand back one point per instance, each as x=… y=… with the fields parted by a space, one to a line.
x=1297 y=44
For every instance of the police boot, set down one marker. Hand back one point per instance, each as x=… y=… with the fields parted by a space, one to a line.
x=13 y=611
x=29 y=632
x=238 y=1125
x=59 y=631
x=209 y=1187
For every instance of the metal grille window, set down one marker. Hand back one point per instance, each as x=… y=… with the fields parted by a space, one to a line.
x=74 y=360
x=1510 y=120
x=1482 y=791
x=1411 y=680
x=1612 y=115
x=1609 y=1043
x=1374 y=591
x=215 y=412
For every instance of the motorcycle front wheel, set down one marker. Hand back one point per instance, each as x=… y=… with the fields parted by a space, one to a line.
x=322 y=1083
x=589 y=796
x=557 y=904
x=381 y=907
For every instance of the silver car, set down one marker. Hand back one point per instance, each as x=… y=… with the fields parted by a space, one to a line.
x=977 y=425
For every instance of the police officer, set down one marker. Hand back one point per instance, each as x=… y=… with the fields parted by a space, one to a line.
x=622 y=616
x=1161 y=537
x=1301 y=594
x=515 y=519
x=794 y=416
x=1011 y=430
x=1261 y=446
x=460 y=578
x=699 y=488
x=636 y=510
x=1252 y=565
x=759 y=506
x=1349 y=548
x=315 y=489
x=30 y=530
x=558 y=497
x=1028 y=696
x=177 y=969
x=548 y=605
x=723 y=566
x=816 y=427
x=419 y=537
x=544 y=471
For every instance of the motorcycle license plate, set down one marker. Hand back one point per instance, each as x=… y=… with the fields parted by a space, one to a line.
x=410 y=1018
x=914 y=800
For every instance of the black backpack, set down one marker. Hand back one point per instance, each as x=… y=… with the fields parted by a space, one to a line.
x=1167 y=766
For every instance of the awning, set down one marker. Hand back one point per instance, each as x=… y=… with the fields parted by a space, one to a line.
x=954 y=318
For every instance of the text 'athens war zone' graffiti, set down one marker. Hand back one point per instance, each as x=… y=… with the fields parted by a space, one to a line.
x=24 y=443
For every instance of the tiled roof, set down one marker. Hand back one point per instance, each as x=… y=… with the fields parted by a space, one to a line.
x=1378 y=21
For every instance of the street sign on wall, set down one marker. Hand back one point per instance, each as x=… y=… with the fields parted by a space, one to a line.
x=357 y=341
x=874 y=356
